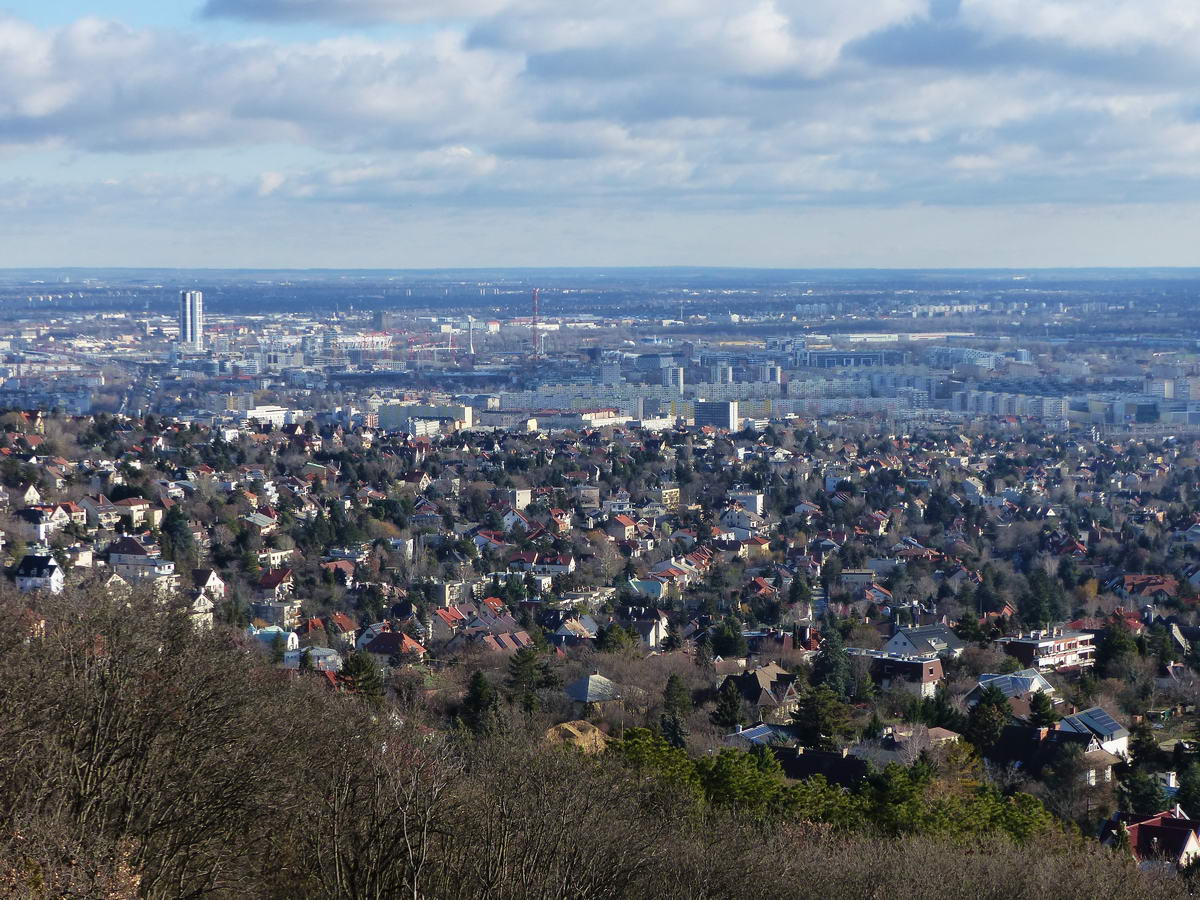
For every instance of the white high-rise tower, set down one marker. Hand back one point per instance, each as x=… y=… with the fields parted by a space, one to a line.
x=191 y=320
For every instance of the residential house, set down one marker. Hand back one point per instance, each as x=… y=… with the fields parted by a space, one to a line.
x=592 y=693
x=270 y=636
x=137 y=563
x=274 y=584
x=39 y=573
x=649 y=623
x=1019 y=686
x=390 y=646
x=1056 y=648
x=1167 y=841
x=927 y=640
x=200 y=609
x=770 y=690
x=320 y=659
x=138 y=513
x=284 y=613
x=208 y=581
x=101 y=512
x=919 y=675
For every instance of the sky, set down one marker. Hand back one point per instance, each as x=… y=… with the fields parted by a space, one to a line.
x=434 y=133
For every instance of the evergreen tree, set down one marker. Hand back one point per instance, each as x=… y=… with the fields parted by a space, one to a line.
x=677 y=699
x=1115 y=651
x=1041 y=710
x=306 y=660
x=178 y=543
x=1160 y=645
x=278 y=646
x=614 y=638
x=673 y=641
x=728 y=642
x=362 y=676
x=1142 y=793
x=822 y=720
x=987 y=719
x=703 y=657
x=735 y=779
x=481 y=704
x=831 y=668
x=1189 y=790
x=1143 y=746
x=528 y=673
x=674 y=730
x=728 y=714
x=799 y=591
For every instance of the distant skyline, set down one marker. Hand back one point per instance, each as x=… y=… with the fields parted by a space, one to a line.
x=482 y=133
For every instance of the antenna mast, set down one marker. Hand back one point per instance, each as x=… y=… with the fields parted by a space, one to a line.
x=537 y=296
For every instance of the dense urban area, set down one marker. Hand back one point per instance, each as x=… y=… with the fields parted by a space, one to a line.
x=682 y=583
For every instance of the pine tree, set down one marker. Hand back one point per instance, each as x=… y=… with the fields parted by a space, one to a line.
x=481 y=704
x=278 y=646
x=614 y=638
x=1142 y=793
x=674 y=730
x=673 y=641
x=362 y=676
x=528 y=673
x=728 y=641
x=799 y=591
x=728 y=714
x=1189 y=790
x=822 y=720
x=677 y=699
x=987 y=719
x=1115 y=651
x=1041 y=710
x=832 y=665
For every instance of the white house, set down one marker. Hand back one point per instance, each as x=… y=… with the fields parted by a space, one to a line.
x=40 y=573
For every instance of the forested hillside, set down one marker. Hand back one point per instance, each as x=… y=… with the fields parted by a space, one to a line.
x=141 y=758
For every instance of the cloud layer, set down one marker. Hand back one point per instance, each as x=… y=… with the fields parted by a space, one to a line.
x=684 y=104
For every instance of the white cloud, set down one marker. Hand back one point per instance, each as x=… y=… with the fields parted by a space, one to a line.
x=698 y=104
x=1121 y=25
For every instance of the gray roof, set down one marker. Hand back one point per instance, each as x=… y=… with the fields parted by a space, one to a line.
x=593 y=688
x=1017 y=684
x=933 y=638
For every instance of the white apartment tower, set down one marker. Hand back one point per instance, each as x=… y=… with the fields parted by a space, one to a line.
x=191 y=320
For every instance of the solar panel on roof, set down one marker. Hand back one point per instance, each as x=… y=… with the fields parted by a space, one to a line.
x=1098 y=719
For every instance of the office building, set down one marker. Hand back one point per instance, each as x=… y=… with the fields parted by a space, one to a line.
x=721 y=414
x=191 y=320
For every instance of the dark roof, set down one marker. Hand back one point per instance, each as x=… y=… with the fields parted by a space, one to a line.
x=36 y=567
x=768 y=685
x=1094 y=721
x=837 y=767
x=128 y=546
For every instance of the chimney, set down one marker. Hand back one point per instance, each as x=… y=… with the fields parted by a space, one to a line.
x=799 y=750
x=739 y=729
x=845 y=752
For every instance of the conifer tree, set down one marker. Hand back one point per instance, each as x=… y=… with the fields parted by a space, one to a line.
x=1041 y=710
x=361 y=674
x=480 y=705
x=728 y=713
